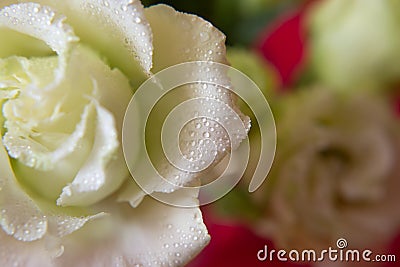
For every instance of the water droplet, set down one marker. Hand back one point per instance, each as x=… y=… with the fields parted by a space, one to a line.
x=138 y=20
x=204 y=36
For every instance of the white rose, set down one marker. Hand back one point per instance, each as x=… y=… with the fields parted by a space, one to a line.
x=335 y=173
x=67 y=72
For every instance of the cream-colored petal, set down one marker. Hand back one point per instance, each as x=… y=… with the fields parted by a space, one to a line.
x=105 y=169
x=132 y=193
x=153 y=234
x=24 y=221
x=97 y=178
x=19 y=215
x=179 y=38
x=27 y=254
x=39 y=22
x=115 y=28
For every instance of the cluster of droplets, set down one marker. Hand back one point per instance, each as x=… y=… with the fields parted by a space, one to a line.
x=23 y=228
x=18 y=149
x=205 y=48
x=175 y=240
x=207 y=134
x=213 y=131
x=66 y=225
x=133 y=29
x=197 y=133
x=40 y=22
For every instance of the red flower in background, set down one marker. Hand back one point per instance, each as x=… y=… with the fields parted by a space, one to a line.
x=283 y=44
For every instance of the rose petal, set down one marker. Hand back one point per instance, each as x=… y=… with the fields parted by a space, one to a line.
x=62 y=224
x=61 y=147
x=28 y=254
x=35 y=154
x=153 y=234
x=56 y=151
x=178 y=38
x=131 y=193
x=39 y=22
x=94 y=178
x=19 y=215
x=23 y=219
x=105 y=169
x=119 y=28
x=116 y=28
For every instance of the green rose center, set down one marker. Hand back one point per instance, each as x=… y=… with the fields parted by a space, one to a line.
x=51 y=134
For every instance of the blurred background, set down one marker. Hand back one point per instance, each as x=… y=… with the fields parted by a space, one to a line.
x=330 y=70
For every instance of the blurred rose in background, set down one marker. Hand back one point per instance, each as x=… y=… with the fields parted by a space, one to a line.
x=330 y=71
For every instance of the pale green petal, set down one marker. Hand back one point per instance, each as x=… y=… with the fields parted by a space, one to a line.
x=57 y=142
x=7 y=94
x=97 y=177
x=37 y=155
x=19 y=215
x=153 y=234
x=117 y=29
x=12 y=76
x=36 y=165
x=105 y=171
x=26 y=219
x=38 y=22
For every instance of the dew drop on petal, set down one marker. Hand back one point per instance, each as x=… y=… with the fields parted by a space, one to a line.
x=204 y=36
